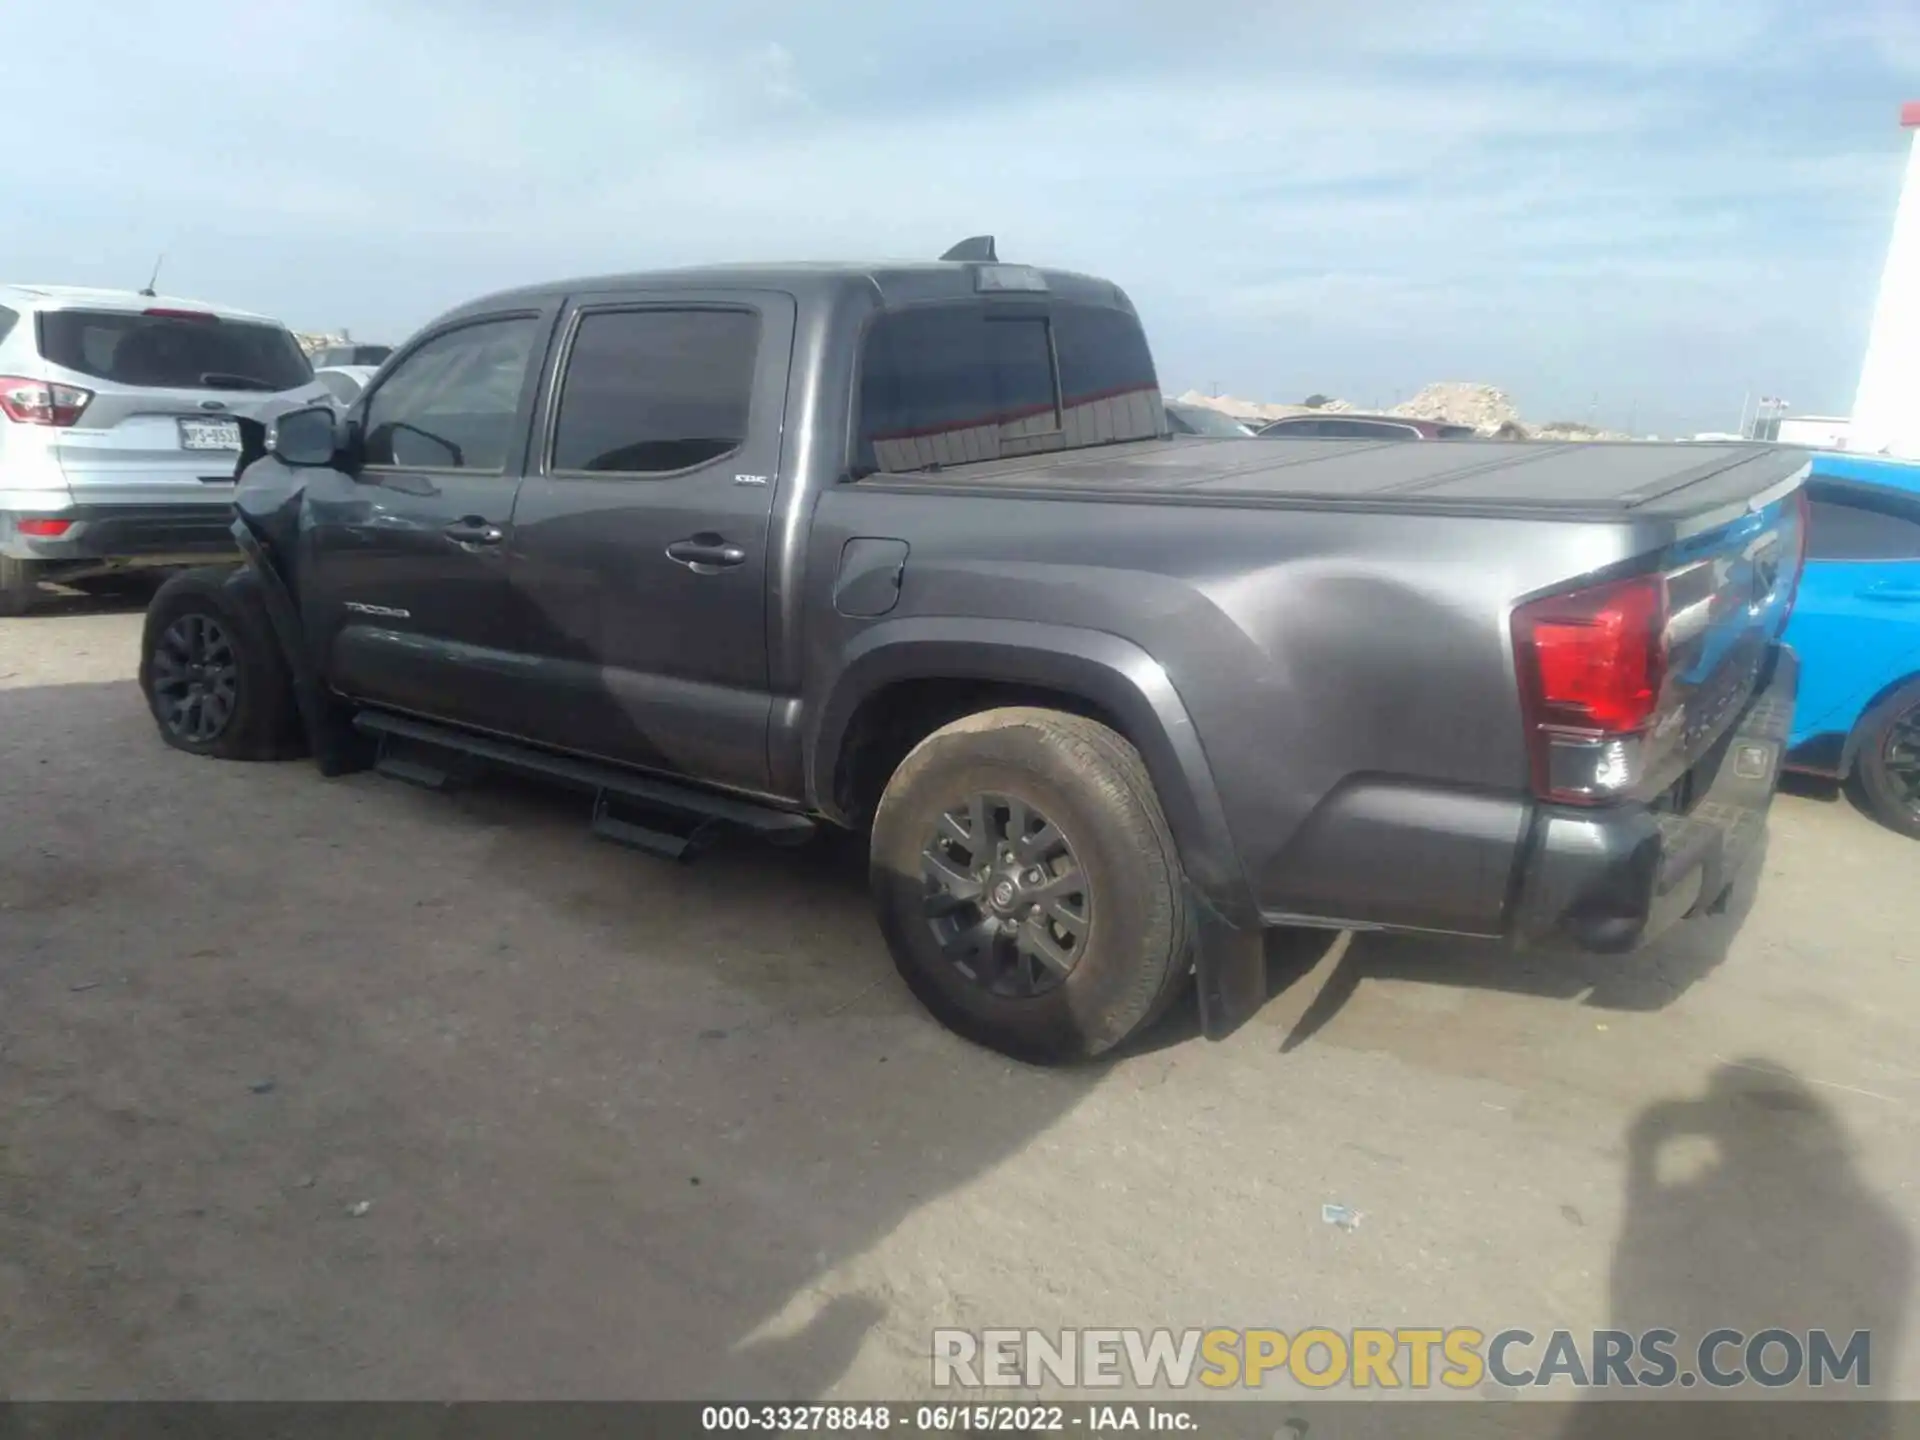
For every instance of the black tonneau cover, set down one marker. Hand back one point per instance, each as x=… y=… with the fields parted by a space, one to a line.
x=1581 y=480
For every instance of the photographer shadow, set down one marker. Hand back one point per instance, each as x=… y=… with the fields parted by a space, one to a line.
x=1745 y=1210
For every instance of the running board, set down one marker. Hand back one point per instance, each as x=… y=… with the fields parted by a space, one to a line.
x=410 y=768
x=682 y=842
x=691 y=814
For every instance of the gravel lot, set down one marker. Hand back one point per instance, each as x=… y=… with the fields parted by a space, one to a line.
x=339 y=1088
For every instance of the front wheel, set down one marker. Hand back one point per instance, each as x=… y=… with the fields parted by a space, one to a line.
x=212 y=672
x=1888 y=769
x=1027 y=884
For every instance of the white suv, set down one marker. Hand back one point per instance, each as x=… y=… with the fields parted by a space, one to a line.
x=122 y=421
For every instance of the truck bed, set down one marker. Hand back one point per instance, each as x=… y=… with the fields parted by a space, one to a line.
x=1587 y=480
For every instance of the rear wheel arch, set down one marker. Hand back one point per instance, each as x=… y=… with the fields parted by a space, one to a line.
x=917 y=675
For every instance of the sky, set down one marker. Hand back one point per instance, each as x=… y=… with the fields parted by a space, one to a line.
x=1635 y=212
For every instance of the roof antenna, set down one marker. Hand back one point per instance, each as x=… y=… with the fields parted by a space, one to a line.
x=974 y=248
x=154 y=278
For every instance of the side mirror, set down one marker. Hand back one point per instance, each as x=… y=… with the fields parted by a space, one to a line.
x=305 y=438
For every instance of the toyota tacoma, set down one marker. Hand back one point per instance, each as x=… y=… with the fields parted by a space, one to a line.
x=907 y=549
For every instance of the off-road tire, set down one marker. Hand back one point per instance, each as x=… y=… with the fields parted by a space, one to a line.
x=1091 y=784
x=1874 y=787
x=19 y=584
x=264 y=722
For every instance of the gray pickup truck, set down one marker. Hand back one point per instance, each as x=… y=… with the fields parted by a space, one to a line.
x=906 y=548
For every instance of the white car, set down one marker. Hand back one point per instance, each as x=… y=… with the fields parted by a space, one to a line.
x=345 y=382
x=122 y=421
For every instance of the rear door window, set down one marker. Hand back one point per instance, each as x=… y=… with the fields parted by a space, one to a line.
x=452 y=404
x=1859 y=525
x=176 y=350
x=650 y=392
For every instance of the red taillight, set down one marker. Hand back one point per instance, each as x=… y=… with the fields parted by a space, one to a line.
x=45 y=529
x=199 y=317
x=41 y=402
x=1591 y=666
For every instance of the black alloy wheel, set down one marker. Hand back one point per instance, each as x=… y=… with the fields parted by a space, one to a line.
x=196 y=678
x=1885 y=778
x=1900 y=758
x=1006 y=898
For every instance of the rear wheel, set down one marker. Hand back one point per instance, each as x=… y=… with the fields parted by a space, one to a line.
x=212 y=671
x=1887 y=771
x=19 y=584
x=1027 y=884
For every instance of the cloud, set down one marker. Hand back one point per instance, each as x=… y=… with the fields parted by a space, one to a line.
x=1535 y=195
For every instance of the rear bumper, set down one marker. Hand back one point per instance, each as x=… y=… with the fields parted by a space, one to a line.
x=1393 y=854
x=1612 y=880
x=147 y=533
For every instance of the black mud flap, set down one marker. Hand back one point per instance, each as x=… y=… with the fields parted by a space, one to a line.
x=336 y=748
x=1229 y=968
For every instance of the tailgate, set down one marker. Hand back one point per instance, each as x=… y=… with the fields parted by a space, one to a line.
x=143 y=446
x=1729 y=591
x=167 y=393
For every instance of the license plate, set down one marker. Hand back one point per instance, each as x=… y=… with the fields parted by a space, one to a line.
x=209 y=434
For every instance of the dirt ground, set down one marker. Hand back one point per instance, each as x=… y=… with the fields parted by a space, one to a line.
x=339 y=1088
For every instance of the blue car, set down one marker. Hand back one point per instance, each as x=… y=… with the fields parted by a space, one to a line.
x=1856 y=626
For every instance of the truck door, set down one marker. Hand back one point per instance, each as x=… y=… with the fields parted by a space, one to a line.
x=638 y=564
x=405 y=582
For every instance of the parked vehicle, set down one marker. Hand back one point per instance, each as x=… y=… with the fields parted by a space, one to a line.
x=904 y=548
x=1349 y=425
x=1857 y=627
x=1204 y=420
x=345 y=382
x=121 y=422
x=329 y=357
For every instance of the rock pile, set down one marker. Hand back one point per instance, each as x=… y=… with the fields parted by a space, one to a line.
x=1457 y=402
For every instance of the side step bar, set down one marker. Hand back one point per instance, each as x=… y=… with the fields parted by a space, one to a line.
x=681 y=819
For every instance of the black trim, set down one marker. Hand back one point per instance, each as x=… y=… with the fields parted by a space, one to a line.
x=1824 y=754
x=589 y=775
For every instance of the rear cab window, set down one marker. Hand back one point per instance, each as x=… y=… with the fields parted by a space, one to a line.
x=952 y=383
x=8 y=319
x=173 y=350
